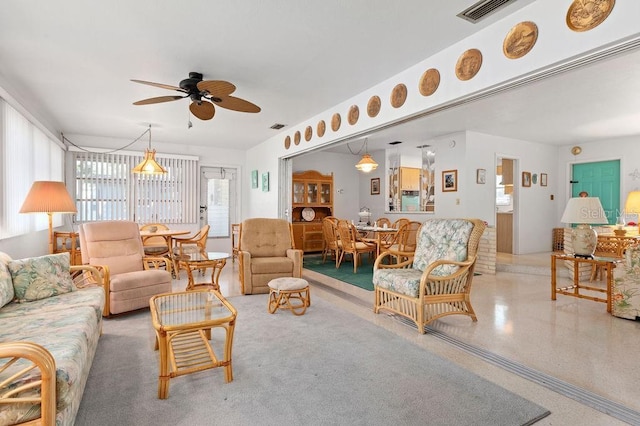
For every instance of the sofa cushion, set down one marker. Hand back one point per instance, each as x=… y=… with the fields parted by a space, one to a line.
x=41 y=277
x=271 y=265
x=6 y=283
x=442 y=239
x=71 y=336
x=403 y=281
x=139 y=279
x=265 y=237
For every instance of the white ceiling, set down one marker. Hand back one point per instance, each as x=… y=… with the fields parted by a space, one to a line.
x=71 y=63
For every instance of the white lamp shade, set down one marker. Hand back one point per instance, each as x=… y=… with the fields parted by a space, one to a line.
x=584 y=210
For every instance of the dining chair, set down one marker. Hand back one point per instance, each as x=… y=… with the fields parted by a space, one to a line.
x=352 y=245
x=403 y=241
x=196 y=242
x=332 y=244
x=155 y=246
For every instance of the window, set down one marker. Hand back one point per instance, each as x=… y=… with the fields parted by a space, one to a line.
x=106 y=189
x=27 y=154
x=502 y=197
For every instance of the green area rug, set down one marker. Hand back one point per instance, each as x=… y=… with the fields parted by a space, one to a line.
x=363 y=278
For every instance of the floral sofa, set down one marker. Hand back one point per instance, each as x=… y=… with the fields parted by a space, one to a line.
x=625 y=294
x=50 y=322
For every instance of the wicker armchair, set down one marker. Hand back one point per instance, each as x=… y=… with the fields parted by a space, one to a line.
x=435 y=280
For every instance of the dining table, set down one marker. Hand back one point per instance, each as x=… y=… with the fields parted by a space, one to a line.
x=167 y=234
x=378 y=232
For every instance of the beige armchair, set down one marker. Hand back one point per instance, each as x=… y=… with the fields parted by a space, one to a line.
x=130 y=277
x=266 y=252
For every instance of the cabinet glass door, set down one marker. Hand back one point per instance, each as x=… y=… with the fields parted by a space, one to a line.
x=312 y=193
x=298 y=192
x=325 y=193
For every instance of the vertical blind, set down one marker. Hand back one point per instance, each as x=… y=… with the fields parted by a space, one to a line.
x=27 y=154
x=106 y=189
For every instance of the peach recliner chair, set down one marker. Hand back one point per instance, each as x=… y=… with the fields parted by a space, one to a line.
x=266 y=252
x=130 y=277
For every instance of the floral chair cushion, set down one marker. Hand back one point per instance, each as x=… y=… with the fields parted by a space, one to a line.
x=6 y=283
x=442 y=239
x=41 y=277
x=625 y=294
x=403 y=281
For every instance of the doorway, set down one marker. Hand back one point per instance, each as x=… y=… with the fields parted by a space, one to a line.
x=599 y=179
x=505 y=205
x=218 y=200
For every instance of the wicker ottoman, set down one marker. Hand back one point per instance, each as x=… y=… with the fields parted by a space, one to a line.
x=283 y=290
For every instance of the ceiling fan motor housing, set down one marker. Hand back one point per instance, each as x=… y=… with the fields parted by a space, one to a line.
x=191 y=86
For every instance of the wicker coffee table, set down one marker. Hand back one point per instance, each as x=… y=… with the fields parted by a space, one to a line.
x=183 y=323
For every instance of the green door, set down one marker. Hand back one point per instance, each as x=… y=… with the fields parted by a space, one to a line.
x=602 y=180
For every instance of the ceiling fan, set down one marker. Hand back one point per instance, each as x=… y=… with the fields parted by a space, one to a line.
x=204 y=94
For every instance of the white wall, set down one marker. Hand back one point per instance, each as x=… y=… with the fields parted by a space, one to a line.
x=555 y=44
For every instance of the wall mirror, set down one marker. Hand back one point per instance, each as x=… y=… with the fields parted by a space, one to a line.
x=410 y=178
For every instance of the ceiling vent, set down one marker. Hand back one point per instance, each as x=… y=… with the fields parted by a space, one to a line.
x=482 y=9
x=277 y=126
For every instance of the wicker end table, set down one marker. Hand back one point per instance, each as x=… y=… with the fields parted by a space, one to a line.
x=183 y=323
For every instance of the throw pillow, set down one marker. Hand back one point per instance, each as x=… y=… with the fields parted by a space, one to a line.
x=6 y=283
x=41 y=277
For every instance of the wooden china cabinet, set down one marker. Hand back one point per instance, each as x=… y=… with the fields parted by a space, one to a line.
x=312 y=201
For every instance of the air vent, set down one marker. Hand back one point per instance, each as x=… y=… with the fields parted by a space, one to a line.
x=482 y=9
x=394 y=143
x=277 y=126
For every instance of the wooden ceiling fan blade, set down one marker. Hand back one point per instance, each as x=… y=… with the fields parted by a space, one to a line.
x=204 y=110
x=162 y=86
x=216 y=88
x=158 y=100
x=237 y=104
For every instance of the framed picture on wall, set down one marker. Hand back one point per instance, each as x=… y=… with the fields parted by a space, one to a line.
x=254 y=178
x=526 y=179
x=449 y=180
x=375 y=186
x=265 y=182
x=543 y=179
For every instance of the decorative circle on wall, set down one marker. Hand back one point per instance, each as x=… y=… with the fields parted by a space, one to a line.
x=429 y=82
x=322 y=127
x=398 y=95
x=576 y=150
x=296 y=138
x=585 y=15
x=287 y=142
x=335 y=122
x=520 y=40
x=373 y=106
x=468 y=64
x=354 y=114
x=308 y=133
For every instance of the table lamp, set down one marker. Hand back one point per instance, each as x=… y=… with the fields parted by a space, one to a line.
x=584 y=211
x=632 y=205
x=48 y=197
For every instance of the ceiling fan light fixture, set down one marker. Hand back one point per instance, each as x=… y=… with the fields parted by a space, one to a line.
x=149 y=165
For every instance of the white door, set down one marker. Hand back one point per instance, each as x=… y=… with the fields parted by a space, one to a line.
x=218 y=200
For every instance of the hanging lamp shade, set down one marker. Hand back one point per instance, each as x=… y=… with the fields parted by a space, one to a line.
x=149 y=165
x=366 y=164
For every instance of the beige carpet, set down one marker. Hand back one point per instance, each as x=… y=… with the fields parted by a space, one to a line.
x=327 y=367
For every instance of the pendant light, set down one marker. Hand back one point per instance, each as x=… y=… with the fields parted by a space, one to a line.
x=149 y=165
x=366 y=163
